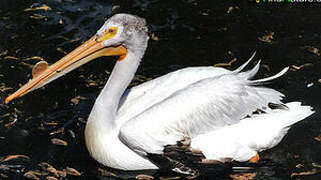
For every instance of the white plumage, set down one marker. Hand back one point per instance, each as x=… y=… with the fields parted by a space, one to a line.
x=251 y=135
x=213 y=107
x=200 y=107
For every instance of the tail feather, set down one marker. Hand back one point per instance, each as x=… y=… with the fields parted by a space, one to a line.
x=251 y=73
x=271 y=127
x=239 y=69
x=266 y=80
x=297 y=113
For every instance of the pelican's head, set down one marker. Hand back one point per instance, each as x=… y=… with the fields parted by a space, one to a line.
x=124 y=29
x=121 y=34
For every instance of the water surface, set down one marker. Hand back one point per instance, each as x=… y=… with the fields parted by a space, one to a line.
x=185 y=33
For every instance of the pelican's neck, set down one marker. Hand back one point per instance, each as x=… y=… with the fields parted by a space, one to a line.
x=107 y=102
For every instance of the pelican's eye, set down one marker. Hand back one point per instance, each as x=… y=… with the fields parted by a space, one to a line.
x=110 y=33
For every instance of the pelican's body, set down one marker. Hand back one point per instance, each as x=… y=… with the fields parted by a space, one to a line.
x=204 y=110
x=134 y=101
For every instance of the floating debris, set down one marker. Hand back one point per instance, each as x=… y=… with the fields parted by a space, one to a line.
x=225 y=64
x=49 y=168
x=222 y=29
x=59 y=142
x=4 y=88
x=310 y=84
x=42 y=7
x=34 y=58
x=51 y=178
x=44 y=165
x=144 y=177
x=267 y=67
x=104 y=172
x=318 y=138
x=267 y=38
x=76 y=99
x=306 y=173
x=316 y=165
x=115 y=7
x=4 y=176
x=72 y=134
x=37 y=16
x=243 y=176
x=3 y=53
x=231 y=8
x=205 y=12
x=60 y=130
x=312 y=49
x=192 y=177
x=61 y=50
x=61 y=173
x=56 y=172
x=302 y=66
x=17 y=156
x=72 y=171
x=141 y=78
x=74 y=40
x=17 y=111
x=154 y=37
x=91 y=83
x=51 y=123
x=31 y=175
x=13 y=120
x=170 y=178
x=10 y=58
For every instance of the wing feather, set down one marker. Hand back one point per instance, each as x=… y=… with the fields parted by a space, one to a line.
x=200 y=107
x=139 y=98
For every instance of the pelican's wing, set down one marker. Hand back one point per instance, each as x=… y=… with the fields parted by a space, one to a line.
x=200 y=107
x=137 y=99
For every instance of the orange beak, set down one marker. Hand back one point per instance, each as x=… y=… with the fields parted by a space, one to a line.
x=88 y=51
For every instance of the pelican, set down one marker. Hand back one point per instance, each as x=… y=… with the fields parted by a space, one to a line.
x=199 y=115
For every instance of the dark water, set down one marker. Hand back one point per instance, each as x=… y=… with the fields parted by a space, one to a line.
x=187 y=33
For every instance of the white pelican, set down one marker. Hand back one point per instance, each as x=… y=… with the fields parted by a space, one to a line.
x=193 y=115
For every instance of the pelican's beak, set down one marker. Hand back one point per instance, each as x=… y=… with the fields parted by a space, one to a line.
x=88 y=51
